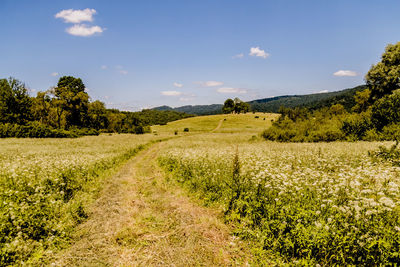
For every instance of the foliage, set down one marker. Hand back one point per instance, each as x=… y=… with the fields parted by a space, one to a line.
x=302 y=125
x=386 y=110
x=229 y=106
x=46 y=187
x=376 y=110
x=66 y=111
x=383 y=78
x=326 y=204
x=15 y=102
x=37 y=130
x=312 y=101
x=236 y=106
x=391 y=155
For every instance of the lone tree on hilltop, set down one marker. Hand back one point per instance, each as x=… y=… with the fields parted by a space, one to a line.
x=235 y=106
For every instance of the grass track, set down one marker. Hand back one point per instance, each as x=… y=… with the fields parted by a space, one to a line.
x=141 y=219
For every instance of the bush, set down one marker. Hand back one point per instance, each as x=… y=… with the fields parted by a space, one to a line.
x=186 y=130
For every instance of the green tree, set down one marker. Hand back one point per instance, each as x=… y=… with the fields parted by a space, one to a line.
x=241 y=106
x=97 y=115
x=229 y=106
x=386 y=110
x=384 y=77
x=361 y=99
x=15 y=102
x=41 y=107
x=72 y=99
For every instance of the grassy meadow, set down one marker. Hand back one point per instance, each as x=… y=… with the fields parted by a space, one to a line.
x=45 y=186
x=299 y=203
x=304 y=203
x=226 y=123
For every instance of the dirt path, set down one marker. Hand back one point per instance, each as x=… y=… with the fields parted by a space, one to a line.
x=143 y=220
x=218 y=126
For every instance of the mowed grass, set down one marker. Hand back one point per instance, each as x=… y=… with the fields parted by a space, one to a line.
x=223 y=123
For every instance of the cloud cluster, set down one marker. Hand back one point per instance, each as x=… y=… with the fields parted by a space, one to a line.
x=76 y=17
x=257 y=52
x=343 y=73
x=83 y=30
x=254 y=52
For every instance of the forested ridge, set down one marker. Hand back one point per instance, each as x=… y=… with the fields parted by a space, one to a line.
x=371 y=112
x=66 y=110
x=273 y=104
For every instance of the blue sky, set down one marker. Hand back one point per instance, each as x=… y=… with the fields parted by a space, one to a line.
x=139 y=54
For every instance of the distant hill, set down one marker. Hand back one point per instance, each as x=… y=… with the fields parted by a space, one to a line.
x=196 y=110
x=272 y=104
x=311 y=101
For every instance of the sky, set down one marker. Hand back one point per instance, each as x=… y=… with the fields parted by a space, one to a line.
x=142 y=54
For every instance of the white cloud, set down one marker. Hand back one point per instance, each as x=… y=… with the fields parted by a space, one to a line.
x=124 y=72
x=171 y=93
x=76 y=16
x=54 y=74
x=257 y=52
x=83 y=30
x=103 y=67
x=210 y=83
x=231 y=90
x=323 y=91
x=241 y=55
x=179 y=85
x=342 y=73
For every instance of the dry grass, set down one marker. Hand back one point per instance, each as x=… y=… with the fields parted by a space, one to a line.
x=231 y=123
x=143 y=220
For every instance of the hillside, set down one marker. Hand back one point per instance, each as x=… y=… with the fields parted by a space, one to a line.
x=195 y=109
x=312 y=101
x=224 y=123
x=272 y=104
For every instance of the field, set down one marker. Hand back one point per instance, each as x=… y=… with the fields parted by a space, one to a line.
x=249 y=123
x=303 y=203
x=45 y=185
x=325 y=203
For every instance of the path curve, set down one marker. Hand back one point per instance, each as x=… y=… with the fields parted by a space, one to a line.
x=218 y=126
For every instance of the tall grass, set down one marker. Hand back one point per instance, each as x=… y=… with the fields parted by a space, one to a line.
x=45 y=189
x=307 y=203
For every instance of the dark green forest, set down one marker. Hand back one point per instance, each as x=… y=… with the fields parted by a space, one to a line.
x=370 y=112
x=67 y=111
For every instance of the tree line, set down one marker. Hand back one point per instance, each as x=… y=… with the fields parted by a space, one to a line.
x=374 y=115
x=66 y=110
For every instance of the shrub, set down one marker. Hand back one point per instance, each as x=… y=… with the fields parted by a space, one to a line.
x=186 y=130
